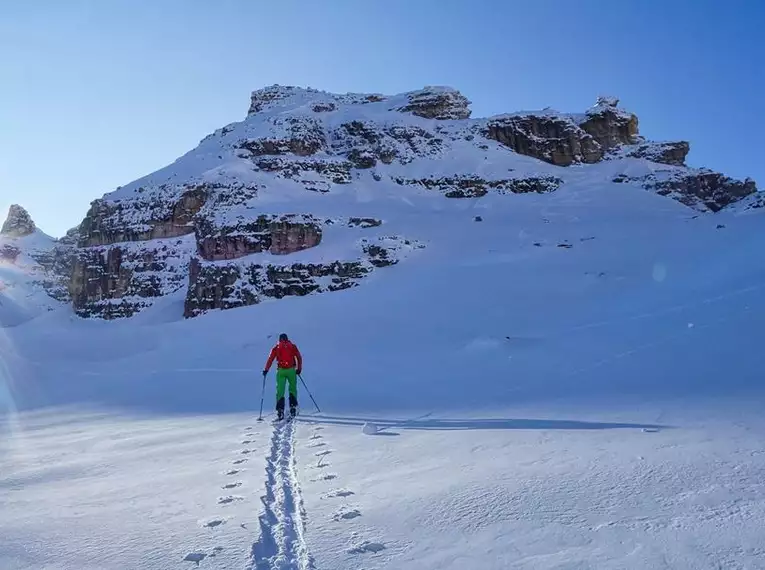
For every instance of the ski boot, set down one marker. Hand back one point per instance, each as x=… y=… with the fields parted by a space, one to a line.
x=280 y=409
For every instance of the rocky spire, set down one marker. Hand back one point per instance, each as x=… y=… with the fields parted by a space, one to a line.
x=18 y=224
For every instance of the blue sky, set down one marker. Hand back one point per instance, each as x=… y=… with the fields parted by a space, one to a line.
x=96 y=94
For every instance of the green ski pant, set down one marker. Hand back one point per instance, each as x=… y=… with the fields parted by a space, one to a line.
x=283 y=375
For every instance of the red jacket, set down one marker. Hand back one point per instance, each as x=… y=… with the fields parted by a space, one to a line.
x=286 y=355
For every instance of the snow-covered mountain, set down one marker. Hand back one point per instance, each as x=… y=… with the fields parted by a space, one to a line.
x=304 y=195
x=557 y=332
x=34 y=269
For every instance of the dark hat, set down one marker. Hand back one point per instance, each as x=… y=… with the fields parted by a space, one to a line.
x=283 y=336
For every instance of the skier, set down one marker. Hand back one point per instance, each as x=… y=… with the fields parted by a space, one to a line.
x=289 y=363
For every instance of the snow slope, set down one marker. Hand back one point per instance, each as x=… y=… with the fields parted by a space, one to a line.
x=22 y=294
x=573 y=382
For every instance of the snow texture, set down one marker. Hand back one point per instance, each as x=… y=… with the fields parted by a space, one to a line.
x=575 y=382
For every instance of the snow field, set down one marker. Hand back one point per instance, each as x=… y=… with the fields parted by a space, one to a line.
x=574 y=382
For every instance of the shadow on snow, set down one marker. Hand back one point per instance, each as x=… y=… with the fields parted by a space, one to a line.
x=475 y=424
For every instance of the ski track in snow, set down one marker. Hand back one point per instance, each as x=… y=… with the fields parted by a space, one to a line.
x=281 y=545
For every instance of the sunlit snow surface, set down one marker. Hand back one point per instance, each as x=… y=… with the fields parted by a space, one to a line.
x=574 y=382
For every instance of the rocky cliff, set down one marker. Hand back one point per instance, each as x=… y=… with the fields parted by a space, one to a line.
x=565 y=139
x=295 y=199
x=18 y=223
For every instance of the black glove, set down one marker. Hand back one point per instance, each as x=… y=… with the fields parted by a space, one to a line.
x=265 y=373
x=299 y=371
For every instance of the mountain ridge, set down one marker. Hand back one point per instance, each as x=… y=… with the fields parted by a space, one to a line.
x=297 y=197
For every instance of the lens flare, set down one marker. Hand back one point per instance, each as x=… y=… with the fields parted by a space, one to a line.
x=8 y=408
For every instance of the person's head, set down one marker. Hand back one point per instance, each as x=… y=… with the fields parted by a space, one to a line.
x=283 y=337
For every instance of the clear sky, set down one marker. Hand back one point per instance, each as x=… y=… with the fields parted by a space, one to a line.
x=98 y=93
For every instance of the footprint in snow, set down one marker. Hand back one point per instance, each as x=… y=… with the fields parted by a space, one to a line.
x=230 y=499
x=318 y=428
x=346 y=513
x=317 y=436
x=232 y=485
x=246 y=442
x=314 y=445
x=234 y=471
x=366 y=546
x=246 y=451
x=213 y=523
x=339 y=493
x=239 y=461
x=217 y=550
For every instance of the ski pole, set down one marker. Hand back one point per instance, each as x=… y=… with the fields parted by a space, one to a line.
x=262 y=394
x=309 y=393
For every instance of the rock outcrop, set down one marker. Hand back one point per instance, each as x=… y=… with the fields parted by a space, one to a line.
x=315 y=175
x=18 y=223
x=712 y=189
x=57 y=264
x=433 y=102
x=605 y=131
x=672 y=153
x=364 y=222
x=551 y=138
x=274 y=97
x=268 y=96
x=753 y=202
x=279 y=235
x=699 y=188
x=120 y=280
x=140 y=220
x=300 y=136
x=365 y=144
x=226 y=285
x=442 y=103
x=609 y=125
x=470 y=186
